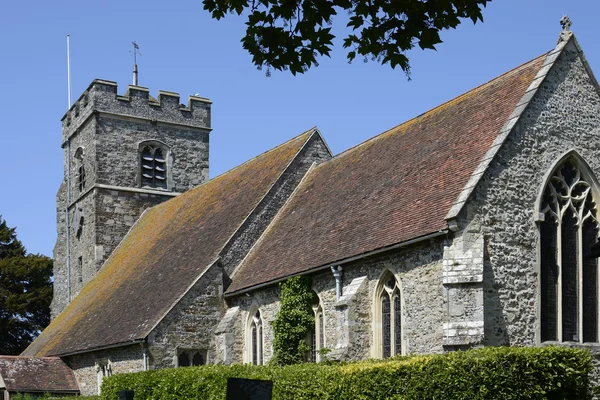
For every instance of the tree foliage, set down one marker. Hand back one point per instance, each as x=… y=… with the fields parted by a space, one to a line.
x=294 y=322
x=25 y=292
x=293 y=34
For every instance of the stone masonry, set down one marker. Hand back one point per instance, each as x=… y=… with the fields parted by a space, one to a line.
x=103 y=133
x=192 y=323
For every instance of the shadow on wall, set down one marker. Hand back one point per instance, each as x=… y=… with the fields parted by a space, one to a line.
x=495 y=330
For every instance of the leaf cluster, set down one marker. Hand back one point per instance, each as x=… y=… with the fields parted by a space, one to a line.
x=293 y=34
x=25 y=293
x=506 y=373
x=294 y=322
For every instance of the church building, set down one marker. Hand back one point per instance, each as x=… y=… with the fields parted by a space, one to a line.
x=467 y=226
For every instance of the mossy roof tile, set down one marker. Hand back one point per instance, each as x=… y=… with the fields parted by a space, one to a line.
x=37 y=374
x=395 y=187
x=165 y=251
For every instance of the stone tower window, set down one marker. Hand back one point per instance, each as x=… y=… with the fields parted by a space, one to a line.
x=254 y=348
x=387 y=318
x=153 y=165
x=568 y=279
x=79 y=153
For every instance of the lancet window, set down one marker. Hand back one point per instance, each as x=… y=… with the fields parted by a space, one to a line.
x=388 y=318
x=256 y=339
x=317 y=335
x=569 y=278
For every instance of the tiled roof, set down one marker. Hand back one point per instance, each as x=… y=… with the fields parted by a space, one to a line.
x=395 y=187
x=164 y=253
x=37 y=374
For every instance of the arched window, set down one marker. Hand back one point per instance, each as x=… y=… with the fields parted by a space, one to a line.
x=153 y=165
x=190 y=357
x=316 y=340
x=81 y=179
x=103 y=370
x=387 y=318
x=255 y=339
x=183 y=360
x=568 y=278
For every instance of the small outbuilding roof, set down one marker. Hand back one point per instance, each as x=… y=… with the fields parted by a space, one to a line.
x=36 y=374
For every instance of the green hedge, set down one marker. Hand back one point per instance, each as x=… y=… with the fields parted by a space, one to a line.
x=491 y=373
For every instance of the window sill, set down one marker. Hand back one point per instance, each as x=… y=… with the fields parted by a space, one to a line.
x=593 y=348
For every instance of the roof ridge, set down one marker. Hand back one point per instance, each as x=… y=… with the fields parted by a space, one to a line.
x=456 y=98
x=221 y=175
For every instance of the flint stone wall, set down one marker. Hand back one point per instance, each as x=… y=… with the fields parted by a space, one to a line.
x=123 y=360
x=348 y=323
x=564 y=115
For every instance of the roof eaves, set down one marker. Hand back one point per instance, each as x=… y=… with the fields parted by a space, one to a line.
x=522 y=105
x=405 y=243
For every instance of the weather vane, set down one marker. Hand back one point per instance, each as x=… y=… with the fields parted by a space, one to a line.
x=136 y=51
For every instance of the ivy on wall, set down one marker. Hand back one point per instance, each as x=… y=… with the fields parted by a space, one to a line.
x=294 y=322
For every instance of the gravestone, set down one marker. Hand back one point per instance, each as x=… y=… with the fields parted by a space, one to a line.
x=249 y=389
x=125 y=394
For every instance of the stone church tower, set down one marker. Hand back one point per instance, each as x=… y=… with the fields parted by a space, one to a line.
x=122 y=154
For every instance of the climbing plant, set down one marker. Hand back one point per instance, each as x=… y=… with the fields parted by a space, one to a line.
x=294 y=322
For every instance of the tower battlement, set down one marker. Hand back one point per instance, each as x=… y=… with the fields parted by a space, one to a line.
x=102 y=97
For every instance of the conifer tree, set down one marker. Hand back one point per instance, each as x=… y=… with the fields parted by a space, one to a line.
x=25 y=292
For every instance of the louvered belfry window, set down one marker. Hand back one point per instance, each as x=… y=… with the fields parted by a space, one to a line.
x=569 y=279
x=154 y=167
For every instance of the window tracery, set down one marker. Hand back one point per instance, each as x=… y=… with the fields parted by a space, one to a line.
x=190 y=357
x=387 y=318
x=317 y=335
x=569 y=280
x=256 y=339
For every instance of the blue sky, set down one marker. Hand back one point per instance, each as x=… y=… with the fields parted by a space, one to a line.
x=185 y=51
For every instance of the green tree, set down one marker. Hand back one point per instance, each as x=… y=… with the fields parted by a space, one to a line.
x=25 y=292
x=292 y=34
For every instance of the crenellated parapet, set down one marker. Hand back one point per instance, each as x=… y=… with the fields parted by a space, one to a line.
x=102 y=97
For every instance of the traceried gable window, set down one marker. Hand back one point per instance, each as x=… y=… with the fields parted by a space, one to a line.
x=387 y=318
x=569 y=280
x=255 y=339
x=153 y=165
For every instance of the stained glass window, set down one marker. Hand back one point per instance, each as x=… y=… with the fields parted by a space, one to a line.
x=397 y=325
x=386 y=328
x=390 y=313
x=256 y=339
x=569 y=279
